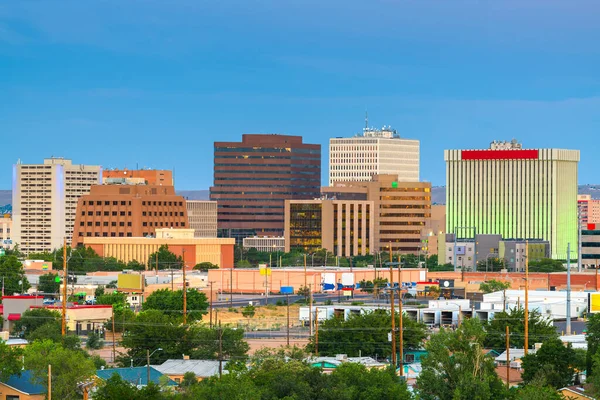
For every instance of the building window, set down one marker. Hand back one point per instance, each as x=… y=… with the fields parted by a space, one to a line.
x=143 y=203
x=106 y=213
x=122 y=213
x=107 y=203
x=114 y=213
x=123 y=203
x=97 y=223
x=115 y=203
x=123 y=224
x=129 y=223
x=128 y=234
x=129 y=203
x=112 y=234
x=104 y=234
x=90 y=213
x=129 y=213
x=88 y=234
x=81 y=223
x=121 y=234
x=89 y=223
x=144 y=223
x=105 y=223
x=143 y=213
x=113 y=223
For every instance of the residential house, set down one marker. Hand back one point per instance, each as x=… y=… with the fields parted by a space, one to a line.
x=135 y=375
x=203 y=369
x=328 y=364
x=574 y=393
x=20 y=387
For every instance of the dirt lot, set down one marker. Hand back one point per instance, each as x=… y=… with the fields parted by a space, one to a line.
x=269 y=317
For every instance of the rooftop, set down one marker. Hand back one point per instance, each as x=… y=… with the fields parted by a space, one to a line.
x=200 y=368
x=135 y=375
x=23 y=383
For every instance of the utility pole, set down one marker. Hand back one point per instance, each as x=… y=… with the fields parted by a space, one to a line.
x=184 y=291
x=231 y=287
x=113 y=333
x=507 y=358
x=157 y=263
x=310 y=313
x=305 y=270
x=568 y=330
x=49 y=382
x=172 y=283
x=210 y=304
x=287 y=301
x=401 y=327
x=220 y=332
x=148 y=366
x=317 y=332
x=526 y=311
x=393 y=313
x=579 y=239
x=64 y=300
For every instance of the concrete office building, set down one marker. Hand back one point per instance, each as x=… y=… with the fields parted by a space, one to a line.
x=265 y=243
x=156 y=177
x=589 y=210
x=5 y=232
x=402 y=210
x=590 y=246
x=128 y=211
x=374 y=152
x=203 y=217
x=513 y=192
x=252 y=178
x=45 y=201
x=344 y=227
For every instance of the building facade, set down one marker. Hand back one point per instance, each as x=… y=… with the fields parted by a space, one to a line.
x=590 y=246
x=375 y=152
x=45 y=200
x=128 y=211
x=218 y=251
x=5 y=232
x=265 y=243
x=252 y=178
x=158 y=177
x=589 y=210
x=346 y=228
x=515 y=193
x=402 y=210
x=203 y=217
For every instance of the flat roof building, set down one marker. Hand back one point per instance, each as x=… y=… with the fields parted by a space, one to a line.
x=45 y=200
x=344 y=227
x=589 y=210
x=128 y=211
x=514 y=192
x=374 y=152
x=203 y=217
x=5 y=232
x=252 y=178
x=402 y=210
x=266 y=244
x=156 y=177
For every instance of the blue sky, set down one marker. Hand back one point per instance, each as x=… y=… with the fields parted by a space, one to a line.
x=155 y=83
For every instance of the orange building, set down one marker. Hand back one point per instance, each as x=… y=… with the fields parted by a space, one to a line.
x=158 y=177
x=128 y=211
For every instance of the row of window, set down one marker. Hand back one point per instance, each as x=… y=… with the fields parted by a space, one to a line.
x=266 y=150
x=105 y=223
x=106 y=234
x=106 y=213
x=160 y=213
x=106 y=202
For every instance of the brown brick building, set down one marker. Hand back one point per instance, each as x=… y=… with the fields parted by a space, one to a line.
x=145 y=176
x=128 y=211
x=254 y=177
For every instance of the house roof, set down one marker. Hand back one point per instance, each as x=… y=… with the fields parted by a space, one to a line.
x=515 y=354
x=515 y=374
x=575 y=390
x=200 y=368
x=366 y=361
x=135 y=375
x=23 y=384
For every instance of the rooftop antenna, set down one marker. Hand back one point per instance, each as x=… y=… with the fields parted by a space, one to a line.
x=366 y=119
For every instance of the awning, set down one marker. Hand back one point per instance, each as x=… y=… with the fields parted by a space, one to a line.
x=14 y=317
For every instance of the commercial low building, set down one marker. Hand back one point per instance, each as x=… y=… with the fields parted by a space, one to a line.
x=590 y=246
x=344 y=227
x=5 y=232
x=265 y=243
x=202 y=215
x=218 y=251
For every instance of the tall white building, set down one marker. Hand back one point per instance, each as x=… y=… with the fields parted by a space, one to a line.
x=45 y=201
x=202 y=216
x=514 y=192
x=375 y=152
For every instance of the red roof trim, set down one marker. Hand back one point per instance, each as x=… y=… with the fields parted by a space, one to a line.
x=76 y=307
x=499 y=154
x=23 y=297
x=14 y=317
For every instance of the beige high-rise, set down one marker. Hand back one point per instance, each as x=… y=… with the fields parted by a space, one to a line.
x=203 y=217
x=45 y=201
x=376 y=151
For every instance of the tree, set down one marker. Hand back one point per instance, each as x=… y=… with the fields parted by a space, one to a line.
x=166 y=259
x=189 y=379
x=249 y=311
x=79 y=259
x=304 y=291
x=122 y=312
x=243 y=264
x=493 y=286
x=33 y=319
x=45 y=256
x=366 y=334
x=171 y=303
x=593 y=341
x=98 y=292
x=546 y=265
x=205 y=266
x=490 y=264
x=535 y=392
x=553 y=364
x=13 y=273
x=432 y=261
x=204 y=343
x=49 y=285
x=116 y=388
x=10 y=361
x=69 y=367
x=229 y=386
x=136 y=265
x=456 y=368
x=540 y=329
x=94 y=341
x=441 y=268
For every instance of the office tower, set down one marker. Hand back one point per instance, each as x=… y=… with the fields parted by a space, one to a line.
x=203 y=217
x=254 y=177
x=5 y=232
x=344 y=227
x=128 y=211
x=402 y=210
x=375 y=152
x=514 y=192
x=589 y=210
x=138 y=176
x=45 y=201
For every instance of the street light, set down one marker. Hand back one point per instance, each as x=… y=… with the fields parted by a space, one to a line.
x=148 y=354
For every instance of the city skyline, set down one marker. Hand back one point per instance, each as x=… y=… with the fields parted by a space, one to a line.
x=134 y=87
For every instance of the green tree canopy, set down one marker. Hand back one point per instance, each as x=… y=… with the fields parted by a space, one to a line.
x=540 y=329
x=69 y=367
x=546 y=265
x=205 y=266
x=13 y=273
x=366 y=334
x=204 y=343
x=493 y=286
x=33 y=319
x=48 y=284
x=171 y=303
x=553 y=364
x=456 y=368
x=10 y=360
x=166 y=259
x=593 y=341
